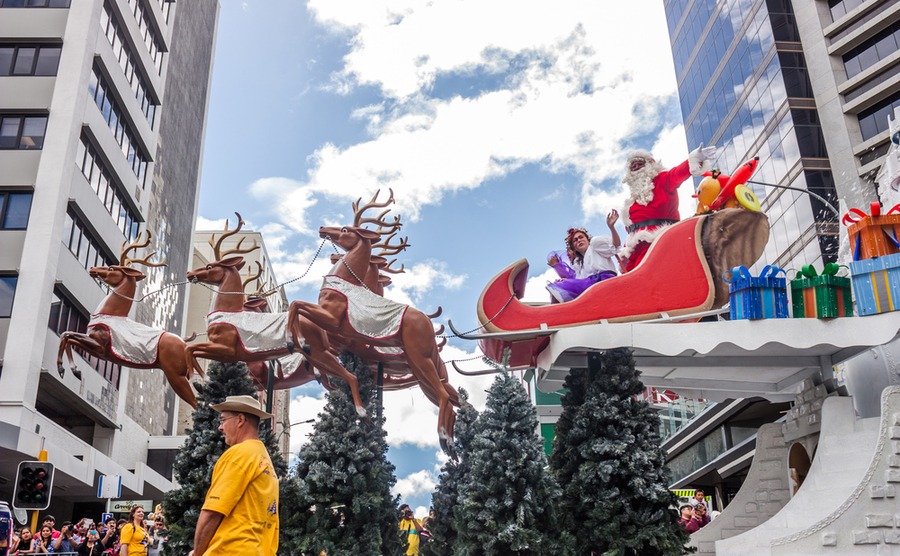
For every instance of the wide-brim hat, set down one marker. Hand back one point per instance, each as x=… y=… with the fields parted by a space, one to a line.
x=242 y=404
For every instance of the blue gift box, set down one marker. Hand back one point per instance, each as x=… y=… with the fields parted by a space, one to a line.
x=758 y=297
x=876 y=284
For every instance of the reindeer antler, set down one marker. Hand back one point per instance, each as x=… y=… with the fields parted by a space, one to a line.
x=388 y=249
x=217 y=245
x=251 y=277
x=387 y=268
x=146 y=260
x=135 y=245
x=383 y=225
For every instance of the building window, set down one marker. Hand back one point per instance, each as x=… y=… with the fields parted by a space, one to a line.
x=840 y=8
x=19 y=131
x=15 y=206
x=148 y=32
x=872 y=51
x=875 y=120
x=34 y=3
x=30 y=59
x=65 y=316
x=82 y=244
x=110 y=193
x=7 y=293
x=109 y=25
x=112 y=112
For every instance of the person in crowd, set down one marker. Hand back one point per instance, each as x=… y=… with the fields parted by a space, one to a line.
x=699 y=497
x=66 y=541
x=24 y=544
x=589 y=260
x=133 y=538
x=92 y=545
x=240 y=513
x=43 y=543
x=686 y=512
x=411 y=528
x=51 y=521
x=699 y=519
x=653 y=201
x=159 y=536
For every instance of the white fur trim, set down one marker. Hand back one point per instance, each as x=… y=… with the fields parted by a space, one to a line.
x=644 y=235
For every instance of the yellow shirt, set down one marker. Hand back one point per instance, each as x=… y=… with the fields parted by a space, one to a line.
x=245 y=490
x=134 y=538
x=407 y=526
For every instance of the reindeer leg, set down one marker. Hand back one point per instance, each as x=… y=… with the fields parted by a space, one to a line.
x=83 y=341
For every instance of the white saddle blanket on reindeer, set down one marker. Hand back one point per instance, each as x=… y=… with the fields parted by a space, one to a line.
x=369 y=313
x=130 y=341
x=259 y=332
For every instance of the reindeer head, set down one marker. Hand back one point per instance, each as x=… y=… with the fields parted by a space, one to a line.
x=348 y=237
x=218 y=270
x=117 y=274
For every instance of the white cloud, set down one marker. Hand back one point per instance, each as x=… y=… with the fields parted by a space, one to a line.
x=420 y=482
x=206 y=224
x=555 y=98
x=304 y=408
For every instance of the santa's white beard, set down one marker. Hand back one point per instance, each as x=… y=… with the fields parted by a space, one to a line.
x=640 y=183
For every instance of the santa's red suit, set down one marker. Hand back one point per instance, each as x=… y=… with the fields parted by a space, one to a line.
x=653 y=204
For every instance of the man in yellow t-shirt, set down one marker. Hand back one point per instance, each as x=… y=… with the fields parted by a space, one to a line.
x=410 y=527
x=240 y=514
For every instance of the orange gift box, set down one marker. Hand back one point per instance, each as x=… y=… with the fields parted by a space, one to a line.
x=873 y=235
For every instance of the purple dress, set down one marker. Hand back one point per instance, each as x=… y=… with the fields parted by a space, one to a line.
x=575 y=279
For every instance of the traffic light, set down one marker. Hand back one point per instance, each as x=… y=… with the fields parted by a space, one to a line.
x=34 y=480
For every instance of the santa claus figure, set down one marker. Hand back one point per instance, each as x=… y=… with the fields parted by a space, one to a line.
x=653 y=203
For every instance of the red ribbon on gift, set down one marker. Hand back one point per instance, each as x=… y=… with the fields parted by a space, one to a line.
x=854 y=215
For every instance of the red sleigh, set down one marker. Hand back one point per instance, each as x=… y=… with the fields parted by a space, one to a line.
x=680 y=275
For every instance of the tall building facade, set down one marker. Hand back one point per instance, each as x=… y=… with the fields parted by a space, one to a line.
x=102 y=117
x=806 y=85
x=744 y=86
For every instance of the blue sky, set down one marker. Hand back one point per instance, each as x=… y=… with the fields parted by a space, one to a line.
x=498 y=124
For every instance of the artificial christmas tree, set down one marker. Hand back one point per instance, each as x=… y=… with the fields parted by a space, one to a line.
x=346 y=478
x=609 y=464
x=443 y=525
x=506 y=499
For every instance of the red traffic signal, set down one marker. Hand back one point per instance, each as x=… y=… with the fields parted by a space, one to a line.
x=34 y=481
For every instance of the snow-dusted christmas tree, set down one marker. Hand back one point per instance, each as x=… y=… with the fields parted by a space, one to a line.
x=196 y=459
x=443 y=526
x=346 y=479
x=608 y=461
x=506 y=502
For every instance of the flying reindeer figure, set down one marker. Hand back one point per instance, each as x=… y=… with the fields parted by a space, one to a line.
x=291 y=370
x=114 y=337
x=348 y=308
x=238 y=335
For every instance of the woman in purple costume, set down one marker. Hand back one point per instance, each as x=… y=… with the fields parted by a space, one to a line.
x=590 y=261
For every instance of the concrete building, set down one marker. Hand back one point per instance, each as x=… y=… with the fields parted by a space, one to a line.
x=102 y=116
x=201 y=303
x=806 y=85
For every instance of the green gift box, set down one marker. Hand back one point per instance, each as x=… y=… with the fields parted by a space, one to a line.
x=821 y=296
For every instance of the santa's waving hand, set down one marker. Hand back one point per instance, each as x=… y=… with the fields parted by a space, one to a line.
x=653 y=201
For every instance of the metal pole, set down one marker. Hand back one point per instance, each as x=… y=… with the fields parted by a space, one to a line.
x=379 y=385
x=270 y=387
x=808 y=192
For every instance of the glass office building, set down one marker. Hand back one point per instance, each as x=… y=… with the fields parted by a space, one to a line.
x=744 y=87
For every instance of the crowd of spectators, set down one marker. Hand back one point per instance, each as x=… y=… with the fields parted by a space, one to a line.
x=90 y=538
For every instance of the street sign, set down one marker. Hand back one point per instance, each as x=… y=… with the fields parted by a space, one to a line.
x=124 y=506
x=109 y=487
